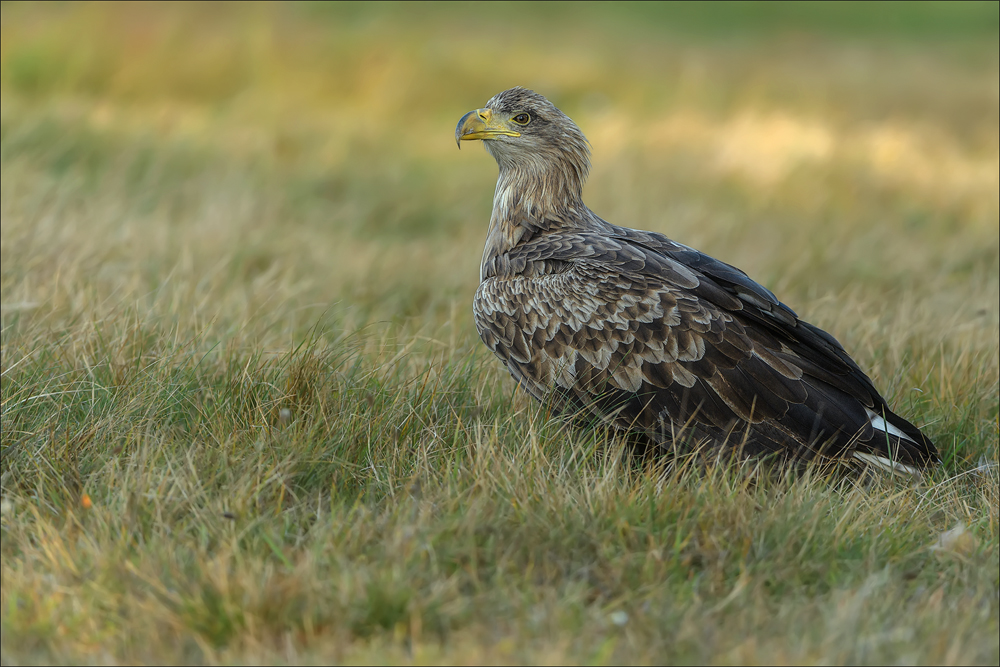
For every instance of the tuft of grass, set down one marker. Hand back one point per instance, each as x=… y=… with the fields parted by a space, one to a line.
x=245 y=414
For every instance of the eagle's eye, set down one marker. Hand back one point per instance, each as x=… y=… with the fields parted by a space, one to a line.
x=522 y=119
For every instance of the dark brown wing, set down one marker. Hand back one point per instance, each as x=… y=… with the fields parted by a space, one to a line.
x=665 y=340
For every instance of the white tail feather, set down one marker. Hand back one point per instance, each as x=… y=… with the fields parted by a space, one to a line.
x=881 y=424
x=894 y=467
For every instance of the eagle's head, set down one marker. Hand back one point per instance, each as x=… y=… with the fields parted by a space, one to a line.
x=527 y=134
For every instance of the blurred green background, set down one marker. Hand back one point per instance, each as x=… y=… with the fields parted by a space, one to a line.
x=320 y=136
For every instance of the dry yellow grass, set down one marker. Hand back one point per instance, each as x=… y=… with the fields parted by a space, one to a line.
x=246 y=416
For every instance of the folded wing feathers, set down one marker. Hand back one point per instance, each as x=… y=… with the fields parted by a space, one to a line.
x=654 y=333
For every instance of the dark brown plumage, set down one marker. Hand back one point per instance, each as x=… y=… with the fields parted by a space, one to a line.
x=647 y=333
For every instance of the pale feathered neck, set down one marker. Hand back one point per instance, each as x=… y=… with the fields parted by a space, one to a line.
x=533 y=198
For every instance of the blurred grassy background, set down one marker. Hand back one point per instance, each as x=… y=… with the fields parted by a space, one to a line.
x=771 y=135
x=202 y=204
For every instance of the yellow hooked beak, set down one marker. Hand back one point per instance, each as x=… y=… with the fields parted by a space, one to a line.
x=480 y=124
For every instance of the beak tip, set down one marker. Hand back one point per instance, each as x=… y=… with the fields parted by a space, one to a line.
x=461 y=130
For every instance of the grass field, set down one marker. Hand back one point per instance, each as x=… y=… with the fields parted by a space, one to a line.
x=245 y=413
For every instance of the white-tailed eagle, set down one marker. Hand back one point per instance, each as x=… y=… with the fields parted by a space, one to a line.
x=649 y=334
